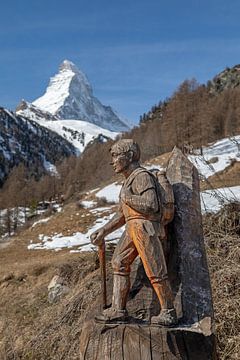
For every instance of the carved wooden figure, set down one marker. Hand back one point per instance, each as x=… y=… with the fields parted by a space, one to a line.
x=141 y=210
x=160 y=272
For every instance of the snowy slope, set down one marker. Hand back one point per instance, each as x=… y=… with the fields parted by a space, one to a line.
x=78 y=133
x=69 y=95
x=217 y=156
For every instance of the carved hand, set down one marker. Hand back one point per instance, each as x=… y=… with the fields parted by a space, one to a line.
x=97 y=237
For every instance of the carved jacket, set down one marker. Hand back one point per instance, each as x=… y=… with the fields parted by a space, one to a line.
x=139 y=196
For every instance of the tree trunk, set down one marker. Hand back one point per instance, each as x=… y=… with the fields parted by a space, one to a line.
x=136 y=342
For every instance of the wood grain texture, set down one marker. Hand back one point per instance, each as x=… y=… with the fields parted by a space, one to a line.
x=136 y=342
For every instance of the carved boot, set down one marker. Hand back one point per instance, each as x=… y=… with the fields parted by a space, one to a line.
x=117 y=313
x=167 y=315
x=112 y=315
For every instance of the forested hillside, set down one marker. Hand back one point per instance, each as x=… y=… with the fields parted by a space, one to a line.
x=25 y=142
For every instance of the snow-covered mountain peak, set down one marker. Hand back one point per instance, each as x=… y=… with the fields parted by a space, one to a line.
x=69 y=95
x=69 y=65
x=57 y=91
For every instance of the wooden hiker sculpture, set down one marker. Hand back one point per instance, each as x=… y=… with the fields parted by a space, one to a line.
x=162 y=214
x=142 y=210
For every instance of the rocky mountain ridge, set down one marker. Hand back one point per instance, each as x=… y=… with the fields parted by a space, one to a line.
x=34 y=113
x=229 y=78
x=25 y=141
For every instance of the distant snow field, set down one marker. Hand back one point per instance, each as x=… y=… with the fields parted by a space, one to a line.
x=78 y=132
x=217 y=156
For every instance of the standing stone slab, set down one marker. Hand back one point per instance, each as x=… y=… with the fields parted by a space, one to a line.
x=188 y=267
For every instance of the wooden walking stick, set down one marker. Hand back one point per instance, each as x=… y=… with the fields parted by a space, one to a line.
x=102 y=260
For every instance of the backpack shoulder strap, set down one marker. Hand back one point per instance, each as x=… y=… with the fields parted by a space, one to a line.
x=132 y=176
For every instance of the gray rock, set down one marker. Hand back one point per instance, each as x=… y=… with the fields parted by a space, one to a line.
x=56 y=289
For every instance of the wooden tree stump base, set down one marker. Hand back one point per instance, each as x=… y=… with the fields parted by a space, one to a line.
x=136 y=342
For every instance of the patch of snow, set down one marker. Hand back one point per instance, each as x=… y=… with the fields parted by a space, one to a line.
x=88 y=247
x=110 y=192
x=153 y=167
x=59 y=241
x=94 y=190
x=115 y=236
x=213 y=200
x=49 y=167
x=100 y=209
x=88 y=204
x=41 y=221
x=225 y=151
x=6 y=154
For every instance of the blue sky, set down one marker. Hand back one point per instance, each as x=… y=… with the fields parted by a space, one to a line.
x=134 y=53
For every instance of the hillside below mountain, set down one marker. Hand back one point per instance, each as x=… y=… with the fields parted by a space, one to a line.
x=69 y=96
x=25 y=142
x=79 y=133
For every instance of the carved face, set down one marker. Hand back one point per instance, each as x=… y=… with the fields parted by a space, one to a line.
x=120 y=161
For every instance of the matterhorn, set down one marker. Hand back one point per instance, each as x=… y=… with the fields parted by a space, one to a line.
x=69 y=96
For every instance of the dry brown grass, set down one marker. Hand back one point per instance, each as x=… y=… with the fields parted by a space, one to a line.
x=222 y=235
x=33 y=329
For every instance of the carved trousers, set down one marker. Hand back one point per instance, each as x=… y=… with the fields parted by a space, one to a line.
x=141 y=238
